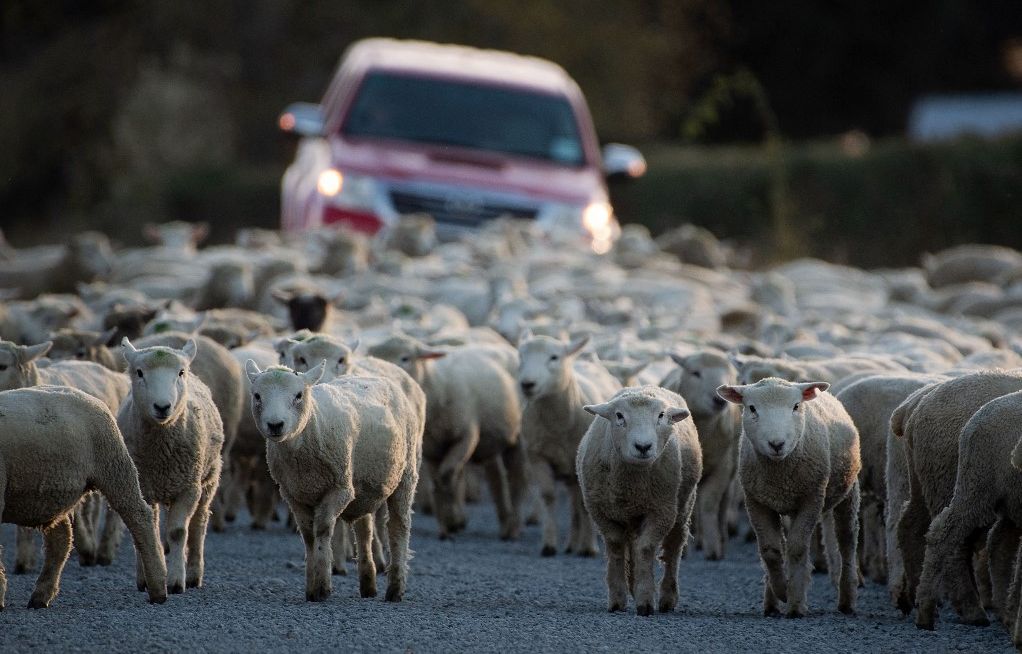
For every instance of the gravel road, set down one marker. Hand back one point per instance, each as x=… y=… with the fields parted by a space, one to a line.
x=472 y=594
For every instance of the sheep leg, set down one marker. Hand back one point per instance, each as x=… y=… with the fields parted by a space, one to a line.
x=1002 y=544
x=673 y=544
x=712 y=498
x=803 y=531
x=178 y=514
x=143 y=521
x=3 y=571
x=364 y=546
x=981 y=573
x=111 y=537
x=57 y=547
x=873 y=555
x=544 y=474
x=324 y=520
x=379 y=525
x=846 y=527
x=1016 y=632
x=617 y=585
x=912 y=528
x=264 y=496
x=83 y=525
x=234 y=497
x=443 y=501
x=25 y=550
x=196 y=563
x=586 y=543
x=830 y=546
x=451 y=472
x=501 y=497
x=424 y=495
x=770 y=539
x=818 y=549
x=514 y=459
x=399 y=531
x=1010 y=611
x=339 y=548
x=897 y=494
x=314 y=591
x=644 y=552
x=949 y=551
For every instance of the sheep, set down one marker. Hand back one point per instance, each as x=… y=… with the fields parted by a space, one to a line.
x=222 y=374
x=472 y=414
x=986 y=491
x=175 y=435
x=799 y=457
x=341 y=450
x=66 y=442
x=930 y=424
x=718 y=424
x=308 y=308
x=87 y=257
x=638 y=466
x=414 y=235
x=968 y=263
x=84 y=345
x=752 y=369
x=883 y=483
x=556 y=385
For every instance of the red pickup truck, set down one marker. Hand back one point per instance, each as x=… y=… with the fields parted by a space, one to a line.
x=462 y=134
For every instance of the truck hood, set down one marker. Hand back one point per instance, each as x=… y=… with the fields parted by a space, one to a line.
x=471 y=168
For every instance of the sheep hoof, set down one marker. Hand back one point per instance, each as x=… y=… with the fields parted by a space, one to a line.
x=666 y=606
x=976 y=621
x=771 y=612
x=644 y=610
x=103 y=559
x=38 y=602
x=394 y=593
x=339 y=571
x=230 y=517
x=548 y=550
x=193 y=583
x=176 y=588
x=587 y=553
x=795 y=614
x=532 y=521
x=20 y=568
x=367 y=590
x=257 y=526
x=443 y=535
x=925 y=623
x=616 y=607
x=158 y=598
x=318 y=595
x=713 y=556
x=847 y=610
x=140 y=586
x=86 y=559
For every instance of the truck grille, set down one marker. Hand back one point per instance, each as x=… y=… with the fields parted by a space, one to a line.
x=456 y=210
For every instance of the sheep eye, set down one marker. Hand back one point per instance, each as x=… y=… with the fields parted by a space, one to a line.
x=661 y=416
x=139 y=371
x=341 y=361
x=80 y=354
x=795 y=408
x=554 y=357
x=181 y=373
x=752 y=407
x=619 y=416
x=301 y=360
x=257 y=397
x=697 y=374
x=298 y=396
x=3 y=367
x=405 y=359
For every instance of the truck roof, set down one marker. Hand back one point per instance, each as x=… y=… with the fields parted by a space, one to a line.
x=460 y=61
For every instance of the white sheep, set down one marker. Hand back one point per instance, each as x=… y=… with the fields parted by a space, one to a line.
x=66 y=442
x=638 y=466
x=931 y=423
x=341 y=450
x=174 y=433
x=718 y=424
x=987 y=491
x=799 y=458
x=472 y=415
x=557 y=384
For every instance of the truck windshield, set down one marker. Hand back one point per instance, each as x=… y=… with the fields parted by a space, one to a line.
x=466 y=114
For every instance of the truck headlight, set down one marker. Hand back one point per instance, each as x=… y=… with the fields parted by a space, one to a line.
x=347 y=190
x=330 y=182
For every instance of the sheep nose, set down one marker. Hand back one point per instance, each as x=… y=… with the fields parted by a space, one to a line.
x=643 y=448
x=719 y=402
x=275 y=427
x=162 y=409
x=776 y=446
x=527 y=386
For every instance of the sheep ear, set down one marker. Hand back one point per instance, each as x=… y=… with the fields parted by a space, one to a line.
x=198 y=323
x=106 y=337
x=576 y=346
x=189 y=350
x=678 y=359
x=314 y=375
x=811 y=390
x=252 y=369
x=28 y=353
x=735 y=360
x=152 y=233
x=526 y=335
x=354 y=344
x=199 y=232
x=128 y=348
x=425 y=353
x=677 y=414
x=732 y=394
x=282 y=296
x=605 y=410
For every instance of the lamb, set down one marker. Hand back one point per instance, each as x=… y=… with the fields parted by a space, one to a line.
x=931 y=423
x=84 y=346
x=472 y=414
x=987 y=491
x=174 y=433
x=883 y=482
x=556 y=385
x=341 y=450
x=751 y=369
x=799 y=458
x=66 y=442
x=718 y=424
x=638 y=468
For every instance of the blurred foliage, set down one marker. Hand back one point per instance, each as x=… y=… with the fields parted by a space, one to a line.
x=116 y=112
x=881 y=208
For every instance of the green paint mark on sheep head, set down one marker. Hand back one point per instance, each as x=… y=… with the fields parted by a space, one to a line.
x=161 y=327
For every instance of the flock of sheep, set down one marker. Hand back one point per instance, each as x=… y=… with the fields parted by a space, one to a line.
x=868 y=422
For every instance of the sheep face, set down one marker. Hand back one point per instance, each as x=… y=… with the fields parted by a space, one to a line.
x=92 y=253
x=640 y=426
x=159 y=379
x=702 y=373
x=80 y=345
x=281 y=402
x=14 y=361
x=773 y=415
x=305 y=354
x=306 y=310
x=408 y=354
x=545 y=364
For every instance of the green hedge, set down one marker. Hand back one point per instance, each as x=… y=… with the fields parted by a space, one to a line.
x=881 y=208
